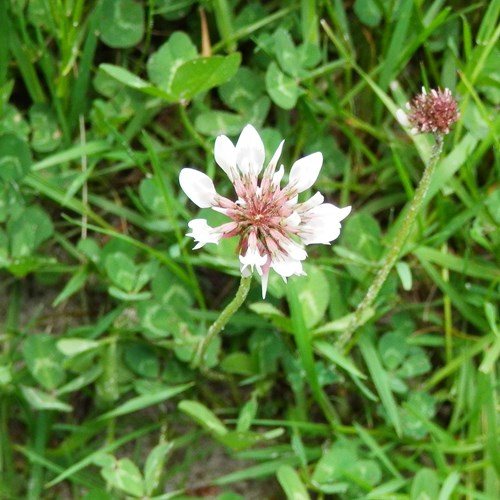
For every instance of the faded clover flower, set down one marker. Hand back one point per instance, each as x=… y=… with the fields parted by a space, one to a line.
x=272 y=226
x=434 y=112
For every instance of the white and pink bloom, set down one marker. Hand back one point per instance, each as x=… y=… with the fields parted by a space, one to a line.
x=272 y=225
x=435 y=111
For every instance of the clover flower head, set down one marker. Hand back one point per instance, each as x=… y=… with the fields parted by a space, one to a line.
x=434 y=112
x=271 y=224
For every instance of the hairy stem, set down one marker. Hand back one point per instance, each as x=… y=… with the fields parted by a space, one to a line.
x=222 y=320
x=396 y=245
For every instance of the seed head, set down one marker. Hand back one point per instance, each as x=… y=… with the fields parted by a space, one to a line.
x=434 y=112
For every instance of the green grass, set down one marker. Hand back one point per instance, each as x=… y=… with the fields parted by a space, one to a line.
x=104 y=301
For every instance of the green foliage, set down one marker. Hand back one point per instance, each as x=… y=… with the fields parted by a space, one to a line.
x=177 y=72
x=121 y=23
x=105 y=302
x=16 y=158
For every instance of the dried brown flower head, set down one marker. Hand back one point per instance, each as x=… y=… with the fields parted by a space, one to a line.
x=434 y=112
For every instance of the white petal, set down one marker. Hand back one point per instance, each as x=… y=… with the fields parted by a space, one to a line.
x=265 y=281
x=225 y=156
x=317 y=233
x=270 y=169
x=253 y=259
x=402 y=118
x=293 y=250
x=277 y=176
x=305 y=171
x=312 y=202
x=286 y=266
x=323 y=224
x=202 y=233
x=342 y=213
x=293 y=221
x=250 y=152
x=198 y=187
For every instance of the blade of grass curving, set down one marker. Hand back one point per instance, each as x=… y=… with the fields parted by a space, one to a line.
x=79 y=182
x=137 y=159
x=493 y=126
x=303 y=339
x=167 y=192
x=336 y=357
x=259 y=471
x=465 y=385
x=52 y=79
x=141 y=119
x=453 y=226
x=144 y=401
x=309 y=21
x=339 y=325
x=403 y=173
x=57 y=194
x=377 y=450
x=385 y=489
x=448 y=486
x=337 y=12
x=491 y=357
x=88 y=149
x=291 y=483
x=467 y=267
x=455 y=296
x=442 y=438
x=23 y=60
x=429 y=26
x=392 y=64
x=476 y=64
x=118 y=209
x=80 y=88
x=146 y=44
x=108 y=448
x=380 y=378
x=489 y=23
x=459 y=360
x=307 y=427
x=41 y=428
x=487 y=385
x=223 y=18
x=160 y=256
x=75 y=283
x=88 y=480
x=205 y=417
x=4 y=47
x=247 y=30
x=7 y=471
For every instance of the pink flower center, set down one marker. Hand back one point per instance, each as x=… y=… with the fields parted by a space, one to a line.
x=263 y=216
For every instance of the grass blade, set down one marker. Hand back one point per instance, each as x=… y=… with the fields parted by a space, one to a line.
x=380 y=379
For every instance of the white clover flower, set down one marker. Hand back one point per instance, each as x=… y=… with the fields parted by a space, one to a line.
x=273 y=227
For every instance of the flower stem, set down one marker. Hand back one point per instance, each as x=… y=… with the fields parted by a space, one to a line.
x=222 y=320
x=190 y=128
x=396 y=245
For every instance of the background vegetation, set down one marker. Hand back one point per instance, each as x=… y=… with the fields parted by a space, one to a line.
x=101 y=105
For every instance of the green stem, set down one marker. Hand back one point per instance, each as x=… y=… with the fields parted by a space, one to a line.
x=222 y=320
x=309 y=21
x=396 y=245
x=190 y=128
x=223 y=17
